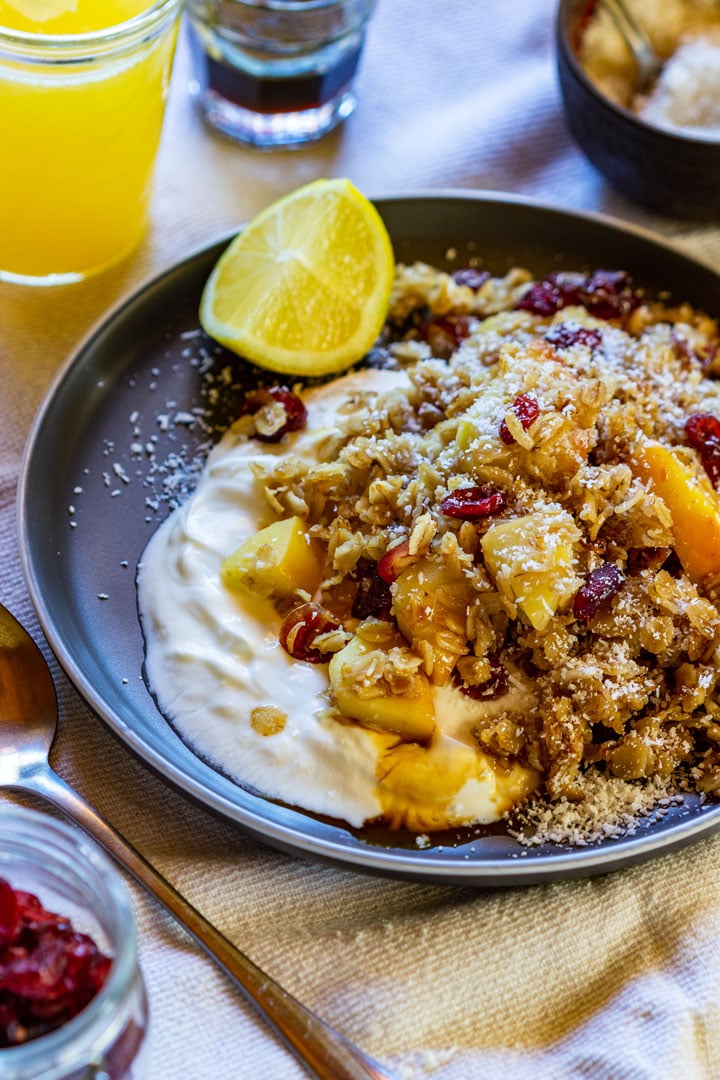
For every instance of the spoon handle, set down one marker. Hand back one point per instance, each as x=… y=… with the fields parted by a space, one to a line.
x=325 y=1053
x=637 y=40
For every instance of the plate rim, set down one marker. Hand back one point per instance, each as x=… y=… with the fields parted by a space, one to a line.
x=404 y=863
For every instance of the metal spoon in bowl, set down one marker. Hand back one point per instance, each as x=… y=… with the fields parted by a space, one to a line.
x=647 y=62
x=28 y=722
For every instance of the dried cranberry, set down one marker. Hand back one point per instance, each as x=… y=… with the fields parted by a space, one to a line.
x=609 y=294
x=444 y=333
x=470 y=276
x=527 y=410
x=565 y=335
x=703 y=434
x=373 y=598
x=600 y=586
x=299 y=629
x=266 y=397
x=35 y=915
x=569 y=284
x=474 y=502
x=542 y=298
x=495 y=687
x=48 y=971
x=556 y=291
x=395 y=560
x=38 y=973
x=9 y=914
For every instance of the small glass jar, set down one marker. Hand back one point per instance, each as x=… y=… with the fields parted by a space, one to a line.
x=72 y=877
x=276 y=72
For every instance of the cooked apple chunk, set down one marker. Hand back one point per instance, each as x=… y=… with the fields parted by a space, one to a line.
x=278 y=561
x=430 y=603
x=381 y=686
x=532 y=560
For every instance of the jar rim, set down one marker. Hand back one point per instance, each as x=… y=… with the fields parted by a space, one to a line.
x=118 y=35
x=54 y=839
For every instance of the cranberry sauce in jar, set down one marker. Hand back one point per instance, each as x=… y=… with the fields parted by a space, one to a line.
x=72 y=1000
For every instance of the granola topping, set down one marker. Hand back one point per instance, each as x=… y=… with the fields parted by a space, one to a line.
x=508 y=540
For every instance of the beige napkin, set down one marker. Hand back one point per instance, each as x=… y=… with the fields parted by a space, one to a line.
x=613 y=977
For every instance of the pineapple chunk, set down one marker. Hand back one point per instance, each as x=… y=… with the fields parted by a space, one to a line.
x=448 y=783
x=466 y=431
x=277 y=561
x=532 y=561
x=361 y=696
x=693 y=505
x=431 y=604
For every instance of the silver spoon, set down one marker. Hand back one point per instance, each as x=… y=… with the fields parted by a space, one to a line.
x=647 y=62
x=28 y=722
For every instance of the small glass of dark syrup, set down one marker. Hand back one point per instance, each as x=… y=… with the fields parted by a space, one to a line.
x=276 y=72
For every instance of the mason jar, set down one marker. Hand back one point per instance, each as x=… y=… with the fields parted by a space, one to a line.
x=71 y=877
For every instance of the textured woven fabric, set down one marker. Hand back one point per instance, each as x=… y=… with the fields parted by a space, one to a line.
x=608 y=977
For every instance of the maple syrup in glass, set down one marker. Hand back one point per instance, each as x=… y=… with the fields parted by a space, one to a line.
x=276 y=72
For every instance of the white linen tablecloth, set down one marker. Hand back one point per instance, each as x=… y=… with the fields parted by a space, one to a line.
x=611 y=977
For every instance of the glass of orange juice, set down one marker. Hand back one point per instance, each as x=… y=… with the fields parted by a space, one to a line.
x=83 y=85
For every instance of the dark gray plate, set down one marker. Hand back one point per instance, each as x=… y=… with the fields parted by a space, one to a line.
x=134 y=385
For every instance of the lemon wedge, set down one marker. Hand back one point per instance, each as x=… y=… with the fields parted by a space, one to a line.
x=304 y=289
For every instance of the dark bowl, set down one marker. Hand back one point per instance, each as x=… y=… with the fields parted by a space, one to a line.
x=663 y=171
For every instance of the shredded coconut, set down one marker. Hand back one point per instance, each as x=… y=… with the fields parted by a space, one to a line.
x=687 y=93
x=607 y=808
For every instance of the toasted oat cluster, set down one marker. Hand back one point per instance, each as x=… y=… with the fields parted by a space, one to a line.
x=529 y=517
